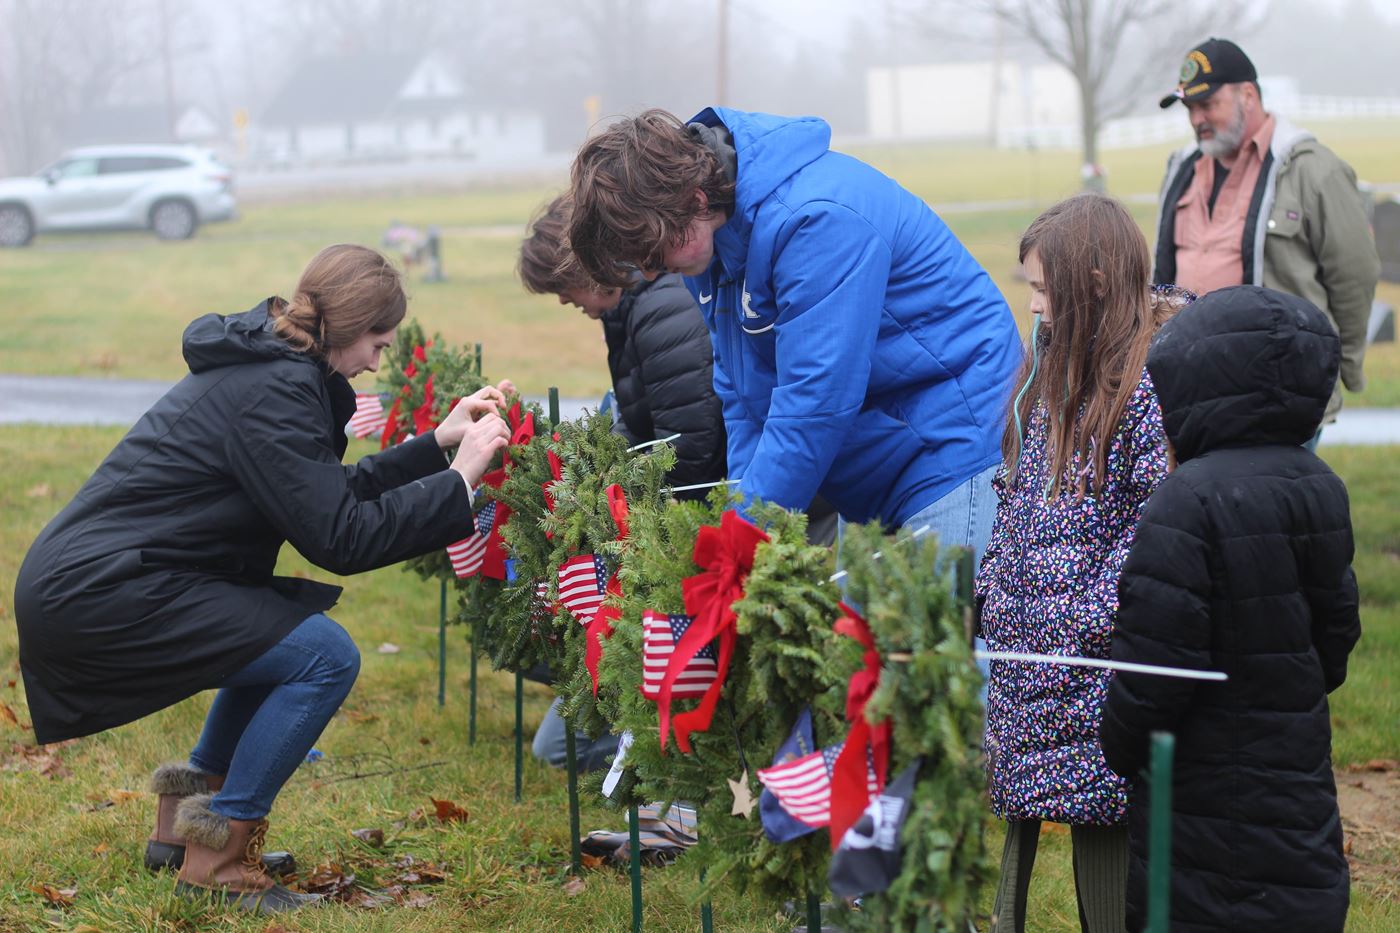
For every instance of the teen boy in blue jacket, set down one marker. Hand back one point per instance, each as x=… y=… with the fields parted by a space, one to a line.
x=860 y=351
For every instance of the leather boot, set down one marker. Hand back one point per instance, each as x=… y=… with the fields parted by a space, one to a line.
x=223 y=859
x=172 y=783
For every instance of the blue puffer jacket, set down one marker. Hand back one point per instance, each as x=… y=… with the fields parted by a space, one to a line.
x=860 y=350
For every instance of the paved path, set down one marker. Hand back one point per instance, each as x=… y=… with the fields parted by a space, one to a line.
x=79 y=400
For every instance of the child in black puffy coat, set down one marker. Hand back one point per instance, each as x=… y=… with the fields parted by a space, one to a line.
x=1241 y=564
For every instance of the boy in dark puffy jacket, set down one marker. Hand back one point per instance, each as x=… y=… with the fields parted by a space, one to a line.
x=1241 y=564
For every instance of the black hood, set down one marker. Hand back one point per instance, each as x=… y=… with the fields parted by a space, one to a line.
x=216 y=340
x=1242 y=367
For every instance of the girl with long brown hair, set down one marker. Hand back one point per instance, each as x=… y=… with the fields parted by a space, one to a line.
x=1082 y=450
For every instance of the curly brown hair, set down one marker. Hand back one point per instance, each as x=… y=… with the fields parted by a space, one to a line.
x=633 y=192
x=547 y=266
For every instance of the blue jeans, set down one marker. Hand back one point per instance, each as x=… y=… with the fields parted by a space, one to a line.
x=550 y=744
x=964 y=518
x=268 y=715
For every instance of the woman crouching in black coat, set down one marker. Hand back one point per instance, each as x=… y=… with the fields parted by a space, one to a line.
x=156 y=582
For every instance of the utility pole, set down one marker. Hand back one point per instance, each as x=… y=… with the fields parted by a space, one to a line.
x=167 y=67
x=722 y=69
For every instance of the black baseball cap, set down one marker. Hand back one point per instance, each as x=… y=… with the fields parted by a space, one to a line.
x=1209 y=66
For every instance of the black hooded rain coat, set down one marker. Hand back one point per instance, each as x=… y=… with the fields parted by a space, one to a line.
x=1241 y=564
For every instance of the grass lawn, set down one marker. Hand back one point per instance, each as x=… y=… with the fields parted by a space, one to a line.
x=114 y=305
x=82 y=824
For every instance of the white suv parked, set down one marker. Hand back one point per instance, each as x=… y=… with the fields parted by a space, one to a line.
x=170 y=190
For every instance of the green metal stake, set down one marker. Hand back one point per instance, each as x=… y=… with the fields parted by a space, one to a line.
x=571 y=752
x=478 y=359
x=554 y=406
x=814 y=912
x=707 y=913
x=634 y=865
x=519 y=733
x=471 y=715
x=442 y=643
x=1159 y=838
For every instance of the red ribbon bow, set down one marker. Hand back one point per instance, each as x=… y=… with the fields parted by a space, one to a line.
x=726 y=554
x=849 y=790
x=493 y=564
x=601 y=627
x=423 y=417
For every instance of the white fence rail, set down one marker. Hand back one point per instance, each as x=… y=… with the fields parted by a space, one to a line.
x=1171 y=125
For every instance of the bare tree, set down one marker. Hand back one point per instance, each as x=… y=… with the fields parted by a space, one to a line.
x=58 y=57
x=1118 y=51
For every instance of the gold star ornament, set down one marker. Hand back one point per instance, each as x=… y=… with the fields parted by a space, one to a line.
x=743 y=797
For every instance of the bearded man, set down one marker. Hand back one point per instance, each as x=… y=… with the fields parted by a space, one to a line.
x=1258 y=201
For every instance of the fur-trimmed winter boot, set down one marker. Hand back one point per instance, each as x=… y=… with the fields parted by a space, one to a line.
x=223 y=859
x=172 y=783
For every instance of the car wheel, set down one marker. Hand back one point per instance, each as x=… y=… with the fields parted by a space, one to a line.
x=173 y=220
x=16 y=226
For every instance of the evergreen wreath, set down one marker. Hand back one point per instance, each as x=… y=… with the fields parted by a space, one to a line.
x=508 y=619
x=593 y=458
x=455 y=373
x=929 y=688
x=786 y=659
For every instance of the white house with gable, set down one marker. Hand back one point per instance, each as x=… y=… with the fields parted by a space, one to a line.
x=361 y=108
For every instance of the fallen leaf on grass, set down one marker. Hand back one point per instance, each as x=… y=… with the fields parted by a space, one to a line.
x=355 y=715
x=330 y=881
x=272 y=928
x=591 y=861
x=415 y=899
x=389 y=648
x=7 y=714
x=449 y=812
x=373 y=837
x=100 y=849
x=112 y=798
x=58 y=897
x=87 y=928
x=574 y=887
x=427 y=873
x=1377 y=764
x=424 y=740
x=40 y=491
x=39 y=758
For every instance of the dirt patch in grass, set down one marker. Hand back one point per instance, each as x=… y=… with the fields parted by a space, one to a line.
x=1369 y=797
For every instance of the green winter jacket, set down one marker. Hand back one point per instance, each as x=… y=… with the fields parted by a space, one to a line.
x=1306 y=234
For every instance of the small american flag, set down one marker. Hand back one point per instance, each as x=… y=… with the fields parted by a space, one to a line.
x=468 y=554
x=803 y=785
x=583 y=582
x=541 y=609
x=660 y=633
x=369 y=415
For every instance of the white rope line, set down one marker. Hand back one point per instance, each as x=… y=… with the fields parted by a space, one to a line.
x=879 y=554
x=1184 y=673
x=659 y=440
x=723 y=482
